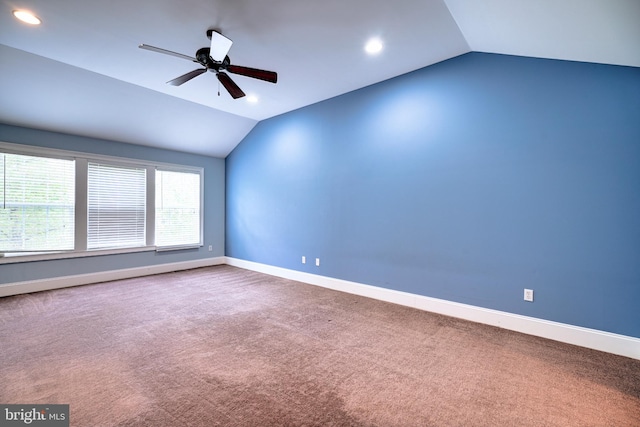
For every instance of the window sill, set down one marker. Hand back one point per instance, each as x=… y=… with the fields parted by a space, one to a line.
x=44 y=256
x=177 y=248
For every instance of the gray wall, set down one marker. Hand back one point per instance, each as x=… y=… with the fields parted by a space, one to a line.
x=214 y=175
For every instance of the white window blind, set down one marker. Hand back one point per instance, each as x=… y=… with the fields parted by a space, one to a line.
x=37 y=203
x=178 y=210
x=116 y=198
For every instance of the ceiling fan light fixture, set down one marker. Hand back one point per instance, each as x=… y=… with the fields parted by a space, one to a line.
x=374 y=46
x=220 y=45
x=27 y=17
x=252 y=99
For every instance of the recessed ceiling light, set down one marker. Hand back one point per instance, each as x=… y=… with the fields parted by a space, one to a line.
x=26 y=16
x=373 y=46
x=252 y=99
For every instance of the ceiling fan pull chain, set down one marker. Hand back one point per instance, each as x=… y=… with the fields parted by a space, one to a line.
x=218 y=87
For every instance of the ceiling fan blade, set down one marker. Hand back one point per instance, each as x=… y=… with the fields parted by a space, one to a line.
x=269 y=76
x=220 y=45
x=166 y=52
x=230 y=86
x=186 y=77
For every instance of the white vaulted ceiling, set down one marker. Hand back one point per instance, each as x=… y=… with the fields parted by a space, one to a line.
x=81 y=71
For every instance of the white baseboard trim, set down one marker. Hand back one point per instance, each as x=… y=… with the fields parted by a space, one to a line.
x=103 y=276
x=590 y=338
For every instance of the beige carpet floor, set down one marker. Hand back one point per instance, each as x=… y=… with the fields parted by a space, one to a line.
x=222 y=346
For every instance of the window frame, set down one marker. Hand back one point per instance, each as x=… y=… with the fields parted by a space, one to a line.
x=182 y=170
x=46 y=156
x=82 y=160
x=143 y=195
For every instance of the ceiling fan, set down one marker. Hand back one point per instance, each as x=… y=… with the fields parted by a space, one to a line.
x=215 y=59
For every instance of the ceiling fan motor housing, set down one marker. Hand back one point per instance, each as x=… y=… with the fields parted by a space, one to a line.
x=203 y=57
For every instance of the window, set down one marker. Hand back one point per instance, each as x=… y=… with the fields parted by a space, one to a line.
x=178 y=208
x=37 y=203
x=53 y=201
x=117 y=206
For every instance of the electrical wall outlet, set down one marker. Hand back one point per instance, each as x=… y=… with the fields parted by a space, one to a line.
x=304 y=259
x=528 y=295
x=210 y=248
x=317 y=262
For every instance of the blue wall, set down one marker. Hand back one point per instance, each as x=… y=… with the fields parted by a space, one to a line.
x=214 y=175
x=468 y=180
